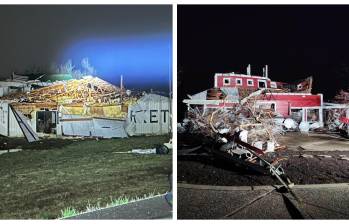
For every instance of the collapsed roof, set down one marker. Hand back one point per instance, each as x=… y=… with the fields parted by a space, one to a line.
x=89 y=96
x=87 y=90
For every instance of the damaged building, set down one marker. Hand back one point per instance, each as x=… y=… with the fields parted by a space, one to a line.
x=89 y=107
x=242 y=118
x=294 y=101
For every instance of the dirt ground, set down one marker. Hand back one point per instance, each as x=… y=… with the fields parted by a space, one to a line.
x=312 y=168
x=44 y=178
x=44 y=144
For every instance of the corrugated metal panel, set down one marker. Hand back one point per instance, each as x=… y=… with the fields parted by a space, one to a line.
x=8 y=123
x=151 y=115
x=75 y=125
x=107 y=128
x=15 y=130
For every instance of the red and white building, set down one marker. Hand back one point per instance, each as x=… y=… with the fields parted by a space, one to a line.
x=299 y=104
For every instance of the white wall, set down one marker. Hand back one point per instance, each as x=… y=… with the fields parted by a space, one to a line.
x=8 y=123
x=3 y=91
x=150 y=115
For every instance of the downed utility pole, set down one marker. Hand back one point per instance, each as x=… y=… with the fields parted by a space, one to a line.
x=275 y=169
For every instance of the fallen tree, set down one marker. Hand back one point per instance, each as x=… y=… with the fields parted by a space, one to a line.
x=244 y=133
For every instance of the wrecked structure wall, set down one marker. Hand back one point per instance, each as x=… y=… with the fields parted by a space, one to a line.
x=150 y=116
x=287 y=103
x=107 y=111
x=84 y=107
x=75 y=125
x=8 y=123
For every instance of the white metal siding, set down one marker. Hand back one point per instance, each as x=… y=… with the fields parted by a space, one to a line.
x=77 y=127
x=3 y=118
x=151 y=115
x=15 y=130
x=97 y=127
x=3 y=91
x=8 y=123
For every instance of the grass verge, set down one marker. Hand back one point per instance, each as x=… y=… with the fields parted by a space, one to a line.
x=68 y=212
x=38 y=184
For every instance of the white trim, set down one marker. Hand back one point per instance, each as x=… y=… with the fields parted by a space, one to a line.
x=319 y=117
x=242 y=75
x=273 y=85
x=236 y=81
x=226 y=84
x=251 y=81
x=298 y=94
x=259 y=102
x=317 y=107
x=327 y=106
x=202 y=102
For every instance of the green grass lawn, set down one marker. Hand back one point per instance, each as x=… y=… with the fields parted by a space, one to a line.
x=40 y=183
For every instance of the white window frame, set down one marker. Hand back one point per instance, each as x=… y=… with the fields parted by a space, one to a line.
x=226 y=84
x=236 y=81
x=273 y=85
x=262 y=102
x=252 y=84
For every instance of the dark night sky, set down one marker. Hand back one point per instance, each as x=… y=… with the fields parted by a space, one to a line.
x=295 y=41
x=118 y=39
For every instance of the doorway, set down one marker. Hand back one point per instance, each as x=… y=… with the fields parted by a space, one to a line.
x=46 y=121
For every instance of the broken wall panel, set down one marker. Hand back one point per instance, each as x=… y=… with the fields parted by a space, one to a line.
x=75 y=125
x=150 y=115
x=8 y=124
x=107 y=128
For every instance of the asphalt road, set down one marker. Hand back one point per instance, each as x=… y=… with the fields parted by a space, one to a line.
x=320 y=201
x=314 y=142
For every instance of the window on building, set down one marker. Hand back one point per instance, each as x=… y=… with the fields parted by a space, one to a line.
x=313 y=115
x=262 y=84
x=226 y=81
x=265 y=105
x=238 y=82
x=250 y=82
x=296 y=114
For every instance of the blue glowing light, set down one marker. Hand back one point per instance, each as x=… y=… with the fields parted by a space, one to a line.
x=144 y=60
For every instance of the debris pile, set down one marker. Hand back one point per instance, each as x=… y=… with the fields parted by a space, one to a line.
x=255 y=124
x=244 y=134
x=334 y=116
x=342 y=97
